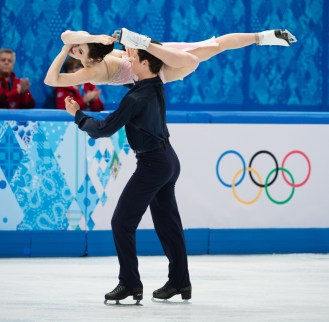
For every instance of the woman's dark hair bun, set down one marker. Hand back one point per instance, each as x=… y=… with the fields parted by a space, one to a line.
x=97 y=52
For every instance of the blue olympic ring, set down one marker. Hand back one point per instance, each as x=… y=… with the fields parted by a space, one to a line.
x=243 y=163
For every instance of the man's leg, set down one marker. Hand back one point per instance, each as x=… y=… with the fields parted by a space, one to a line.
x=151 y=174
x=131 y=206
x=168 y=225
x=169 y=228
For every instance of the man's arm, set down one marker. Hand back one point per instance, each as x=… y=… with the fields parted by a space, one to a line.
x=102 y=128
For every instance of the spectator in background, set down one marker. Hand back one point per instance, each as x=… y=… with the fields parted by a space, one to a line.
x=14 y=92
x=86 y=95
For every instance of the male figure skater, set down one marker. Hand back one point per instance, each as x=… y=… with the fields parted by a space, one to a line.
x=143 y=113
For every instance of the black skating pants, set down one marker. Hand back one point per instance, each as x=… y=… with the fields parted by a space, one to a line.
x=152 y=184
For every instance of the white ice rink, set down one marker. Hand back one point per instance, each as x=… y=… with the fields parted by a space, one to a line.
x=225 y=288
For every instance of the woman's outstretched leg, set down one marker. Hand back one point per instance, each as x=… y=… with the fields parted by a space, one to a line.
x=240 y=40
x=180 y=63
x=225 y=42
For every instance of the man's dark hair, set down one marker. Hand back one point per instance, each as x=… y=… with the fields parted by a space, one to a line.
x=97 y=52
x=155 y=63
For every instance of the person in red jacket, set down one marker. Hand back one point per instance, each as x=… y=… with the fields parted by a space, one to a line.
x=86 y=95
x=14 y=92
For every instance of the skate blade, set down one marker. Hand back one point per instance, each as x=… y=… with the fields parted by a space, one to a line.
x=183 y=302
x=291 y=37
x=117 y=34
x=118 y=303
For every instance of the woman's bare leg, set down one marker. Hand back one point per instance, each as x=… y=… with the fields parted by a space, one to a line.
x=225 y=42
x=172 y=57
x=179 y=63
x=278 y=37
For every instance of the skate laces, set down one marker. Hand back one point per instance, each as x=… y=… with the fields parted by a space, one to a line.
x=164 y=288
x=118 y=289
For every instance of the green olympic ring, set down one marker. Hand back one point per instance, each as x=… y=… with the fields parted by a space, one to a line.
x=266 y=186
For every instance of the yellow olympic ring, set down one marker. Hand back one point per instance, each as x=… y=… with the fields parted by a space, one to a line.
x=259 y=191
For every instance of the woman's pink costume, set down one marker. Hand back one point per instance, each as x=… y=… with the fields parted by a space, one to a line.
x=126 y=76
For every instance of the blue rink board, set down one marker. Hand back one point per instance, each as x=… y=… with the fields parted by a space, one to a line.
x=199 y=241
x=236 y=117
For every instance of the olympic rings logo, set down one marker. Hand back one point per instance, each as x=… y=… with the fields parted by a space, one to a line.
x=257 y=179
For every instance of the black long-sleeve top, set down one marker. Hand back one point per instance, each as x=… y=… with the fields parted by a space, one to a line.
x=143 y=113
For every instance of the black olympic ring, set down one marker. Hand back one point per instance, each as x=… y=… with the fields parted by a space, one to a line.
x=276 y=168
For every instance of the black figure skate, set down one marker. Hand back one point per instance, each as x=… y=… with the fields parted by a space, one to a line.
x=166 y=292
x=121 y=292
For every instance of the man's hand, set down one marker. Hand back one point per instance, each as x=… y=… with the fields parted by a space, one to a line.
x=71 y=105
x=131 y=53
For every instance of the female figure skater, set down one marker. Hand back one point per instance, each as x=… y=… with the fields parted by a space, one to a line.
x=105 y=65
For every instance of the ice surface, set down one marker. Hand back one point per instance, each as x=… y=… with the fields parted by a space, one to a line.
x=225 y=288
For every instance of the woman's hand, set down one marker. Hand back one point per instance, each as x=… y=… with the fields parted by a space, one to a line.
x=67 y=48
x=71 y=105
x=105 y=39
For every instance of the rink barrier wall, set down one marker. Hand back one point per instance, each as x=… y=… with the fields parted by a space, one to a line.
x=199 y=240
x=233 y=117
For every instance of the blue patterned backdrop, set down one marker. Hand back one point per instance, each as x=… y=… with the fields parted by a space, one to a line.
x=254 y=78
x=43 y=187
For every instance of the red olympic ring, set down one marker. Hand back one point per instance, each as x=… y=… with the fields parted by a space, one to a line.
x=296 y=185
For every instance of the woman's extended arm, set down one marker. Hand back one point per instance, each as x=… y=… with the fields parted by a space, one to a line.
x=55 y=78
x=83 y=37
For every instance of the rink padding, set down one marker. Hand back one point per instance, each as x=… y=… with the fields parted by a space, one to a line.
x=268 y=241
x=15 y=243
x=42 y=243
x=100 y=243
x=233 y=117
x=198 y=242
x=58 y=243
